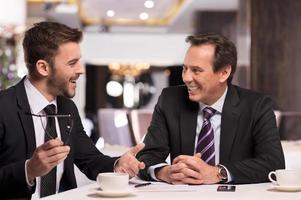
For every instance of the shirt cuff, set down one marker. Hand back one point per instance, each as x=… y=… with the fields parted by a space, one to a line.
x=229 y=175
x=151 y=170
x=115 y=163
x=30 y=184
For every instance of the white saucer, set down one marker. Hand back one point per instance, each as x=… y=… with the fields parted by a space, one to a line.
x=287 y=188
x=118 y=193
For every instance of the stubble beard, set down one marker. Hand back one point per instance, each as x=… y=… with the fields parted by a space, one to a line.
x=58 y=85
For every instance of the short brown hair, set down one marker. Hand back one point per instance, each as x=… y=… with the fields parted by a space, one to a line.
x=225 y=51
x=43 y=40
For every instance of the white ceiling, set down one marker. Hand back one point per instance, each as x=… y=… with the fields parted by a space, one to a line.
x=129 y=10
x=183 y=22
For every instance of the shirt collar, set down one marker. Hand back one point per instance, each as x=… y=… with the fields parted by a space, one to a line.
x=37 y=101
x=218 y=105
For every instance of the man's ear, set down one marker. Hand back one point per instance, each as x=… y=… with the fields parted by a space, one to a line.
x=43 y=68
x=224 y=73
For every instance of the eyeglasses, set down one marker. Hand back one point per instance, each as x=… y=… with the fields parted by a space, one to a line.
x=44 y=123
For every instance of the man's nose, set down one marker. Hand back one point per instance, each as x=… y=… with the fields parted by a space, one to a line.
x=80 y=68
x=186 y=76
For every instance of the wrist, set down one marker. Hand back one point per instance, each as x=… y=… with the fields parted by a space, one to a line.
x=115 y=165
x=162 y=174
x=222 y=173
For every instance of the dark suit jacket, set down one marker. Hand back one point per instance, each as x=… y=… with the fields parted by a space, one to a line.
x=249 y=142
x=17 y=143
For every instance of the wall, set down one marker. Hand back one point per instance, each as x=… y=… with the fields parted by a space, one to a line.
x=276 y=58
x=158 y=49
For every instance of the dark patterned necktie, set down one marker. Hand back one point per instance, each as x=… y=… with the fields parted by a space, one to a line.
x=205 y=144
x=48 y=182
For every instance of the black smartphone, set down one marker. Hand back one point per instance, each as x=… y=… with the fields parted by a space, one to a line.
x=226 y=188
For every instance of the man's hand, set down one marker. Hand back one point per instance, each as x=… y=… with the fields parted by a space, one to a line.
x=205 y=174
x=128 y=162
x=46 y=157
x=188 y=170
x=179 y=173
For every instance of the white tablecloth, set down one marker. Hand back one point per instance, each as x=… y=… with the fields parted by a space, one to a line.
x=292 y=154
x=263 y=191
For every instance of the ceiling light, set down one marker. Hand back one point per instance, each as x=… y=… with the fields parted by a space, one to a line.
x=149 y=4
x=143 y=16
x=66 y=8
x=128 y=94
x=110 y=13
x=114 y=88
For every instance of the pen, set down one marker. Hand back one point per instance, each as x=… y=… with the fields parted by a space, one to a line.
x=142 y=184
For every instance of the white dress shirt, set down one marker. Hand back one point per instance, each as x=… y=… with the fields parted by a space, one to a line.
x=216 y=125
x=37 y=103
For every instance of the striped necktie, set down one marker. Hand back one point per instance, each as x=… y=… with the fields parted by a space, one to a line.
x=205 y=144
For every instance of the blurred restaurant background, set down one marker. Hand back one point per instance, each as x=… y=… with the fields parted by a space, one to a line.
x=134 y=48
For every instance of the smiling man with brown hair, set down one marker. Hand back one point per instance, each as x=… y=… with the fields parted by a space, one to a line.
x=38 y=159
x=214 y=131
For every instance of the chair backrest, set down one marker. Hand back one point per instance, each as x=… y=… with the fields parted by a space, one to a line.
x=278 y=116
x=114 y=127
x=140 y=120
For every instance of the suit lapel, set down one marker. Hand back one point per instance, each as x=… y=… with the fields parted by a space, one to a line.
x=188 y=123
x=25 y=118
x=229 y=122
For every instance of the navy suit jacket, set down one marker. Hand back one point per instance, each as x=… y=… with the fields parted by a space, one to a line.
x=249 y=142
x=17 y=143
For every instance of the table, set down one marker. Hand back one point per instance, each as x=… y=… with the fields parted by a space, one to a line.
x=292 y=153
x=262 y=191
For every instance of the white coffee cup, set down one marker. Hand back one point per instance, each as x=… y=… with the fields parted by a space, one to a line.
x=113 y=181
x=286 y=177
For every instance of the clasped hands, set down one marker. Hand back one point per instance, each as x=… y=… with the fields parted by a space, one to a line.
x=188 y=170
x=53 y=152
